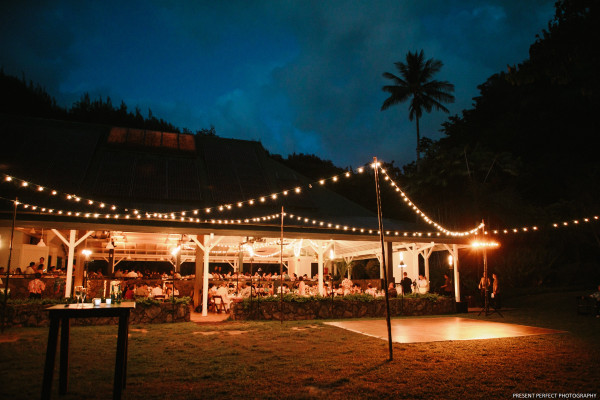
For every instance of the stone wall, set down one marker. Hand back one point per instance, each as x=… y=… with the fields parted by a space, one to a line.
x=34 y=315
x=55 y=287
x=325 y=309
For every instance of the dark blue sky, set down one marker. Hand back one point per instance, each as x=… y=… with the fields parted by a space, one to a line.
x=300 y=76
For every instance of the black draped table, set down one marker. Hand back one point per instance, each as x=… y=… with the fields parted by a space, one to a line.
x=61 y=315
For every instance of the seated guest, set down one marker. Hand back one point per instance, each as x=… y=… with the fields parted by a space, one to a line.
x=157 y=291
x=337 y=290
x=129 y=293
x=118 y=273
x=244 y=290
x=392 y=292
x=141 y=291
x=36 y=287
x=30 y=270
x=169 y=290
x=131 y=274
x=301 y=287
x=222 y=291
x=18 y=271
x=371 y=290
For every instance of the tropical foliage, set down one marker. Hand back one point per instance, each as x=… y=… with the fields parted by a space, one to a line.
x=415 y=84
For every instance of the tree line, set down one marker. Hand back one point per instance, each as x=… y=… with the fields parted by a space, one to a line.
x=20 y=97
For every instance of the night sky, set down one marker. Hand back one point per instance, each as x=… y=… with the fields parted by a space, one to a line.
x=300 y=76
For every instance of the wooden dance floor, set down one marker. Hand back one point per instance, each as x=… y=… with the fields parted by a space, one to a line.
x=415 y=330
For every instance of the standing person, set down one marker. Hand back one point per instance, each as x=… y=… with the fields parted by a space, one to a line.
x=484 y=286
x=347 y=286
x=406 y=284
x=41 y=266
x=36 y=287
x=422 y=284
x=496 y=292
x=447 y=287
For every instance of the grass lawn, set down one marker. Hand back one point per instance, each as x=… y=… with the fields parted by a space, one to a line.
x=312 y=360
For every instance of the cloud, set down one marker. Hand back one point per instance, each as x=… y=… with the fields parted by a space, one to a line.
x=298 y=76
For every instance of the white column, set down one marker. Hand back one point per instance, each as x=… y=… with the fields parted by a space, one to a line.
x=456 y=275
x=320 y=261
x=205 y=280
x=71 y=245
x=380 y=259
x=70 y=258
x=415 y=258
x=426 y=254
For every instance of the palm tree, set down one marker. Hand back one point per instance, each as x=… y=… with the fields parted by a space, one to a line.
x=415 y=83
